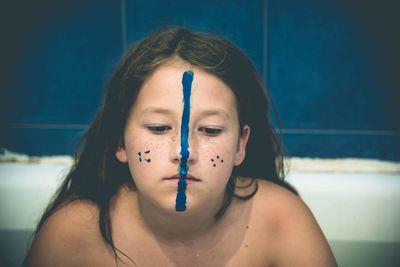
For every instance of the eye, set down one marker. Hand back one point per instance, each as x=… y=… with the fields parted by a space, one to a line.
x=158 y=129
x=210 y=131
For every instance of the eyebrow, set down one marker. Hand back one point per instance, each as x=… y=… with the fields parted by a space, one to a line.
x=214 y=112
x=163 y=111
x=204 y=113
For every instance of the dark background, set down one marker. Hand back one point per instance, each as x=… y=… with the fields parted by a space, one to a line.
x=332 y=67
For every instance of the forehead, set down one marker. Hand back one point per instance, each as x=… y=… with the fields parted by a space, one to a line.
x=163 y=90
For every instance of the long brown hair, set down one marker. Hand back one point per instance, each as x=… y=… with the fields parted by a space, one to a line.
x=96 y=174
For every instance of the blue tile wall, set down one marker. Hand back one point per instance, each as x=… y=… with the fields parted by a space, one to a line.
x=333 y=83
x=240 y=21
x=328 y=84
x=63 y=63
x=62 y=54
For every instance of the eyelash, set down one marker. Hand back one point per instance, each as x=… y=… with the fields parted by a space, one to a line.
x=160 y=129
x=211 y=131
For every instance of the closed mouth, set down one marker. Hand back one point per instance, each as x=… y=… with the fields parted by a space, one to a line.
x=188 y=177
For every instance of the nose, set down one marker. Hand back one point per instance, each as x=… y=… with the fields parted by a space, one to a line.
x=179 y=151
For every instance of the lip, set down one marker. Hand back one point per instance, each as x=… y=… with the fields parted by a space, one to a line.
x=189 y=178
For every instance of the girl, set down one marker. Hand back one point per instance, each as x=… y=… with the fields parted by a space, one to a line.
x=180 y=167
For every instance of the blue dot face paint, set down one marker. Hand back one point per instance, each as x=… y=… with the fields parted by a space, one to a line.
x=216 y=161
x=187 y=80
x=144 y=156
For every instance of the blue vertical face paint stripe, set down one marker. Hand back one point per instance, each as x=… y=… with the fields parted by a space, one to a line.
x=187 y=80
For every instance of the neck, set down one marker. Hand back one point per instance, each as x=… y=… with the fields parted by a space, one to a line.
x=176 y=226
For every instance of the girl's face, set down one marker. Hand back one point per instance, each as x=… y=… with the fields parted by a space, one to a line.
x=152 y=138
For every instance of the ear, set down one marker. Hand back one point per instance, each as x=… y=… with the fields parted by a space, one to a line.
x=241 y=149
x=121 y=155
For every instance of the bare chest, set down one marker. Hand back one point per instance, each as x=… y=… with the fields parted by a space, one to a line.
x=239 y=240
x=238 y=244
x=230 y=252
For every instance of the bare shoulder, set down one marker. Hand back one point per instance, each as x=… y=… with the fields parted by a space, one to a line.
x=69 y=237
x=295 y=233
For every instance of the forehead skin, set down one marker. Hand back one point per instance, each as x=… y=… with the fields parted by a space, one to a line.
x=163 y=90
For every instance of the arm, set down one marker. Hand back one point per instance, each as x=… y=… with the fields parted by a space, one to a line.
x=69 y=237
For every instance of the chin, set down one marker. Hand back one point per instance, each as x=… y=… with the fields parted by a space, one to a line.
x=167 y=204
x=197 y=200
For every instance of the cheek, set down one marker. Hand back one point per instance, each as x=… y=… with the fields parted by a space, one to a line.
x=145 y=159
x=146 y=154
x=144 y=165
x=218 y=166
x=219 y=159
